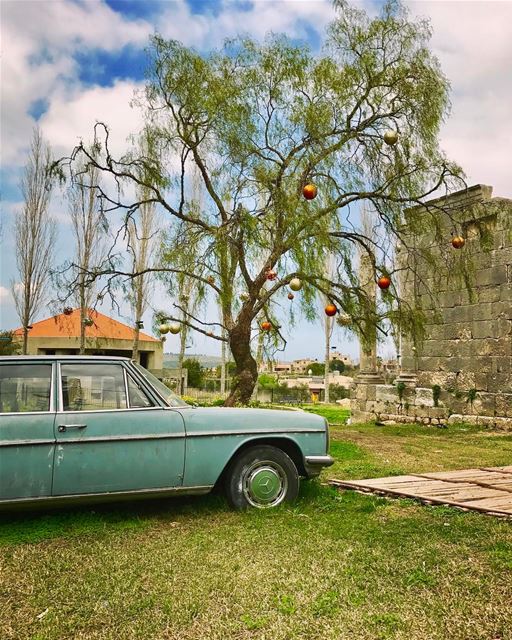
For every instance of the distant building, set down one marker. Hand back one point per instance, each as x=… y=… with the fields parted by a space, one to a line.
x=302 y=366
x=60 y=335
x=347 y=360
x=282 y=367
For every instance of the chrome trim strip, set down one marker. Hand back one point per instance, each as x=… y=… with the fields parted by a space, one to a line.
x=26 y=413
x=126 y=388
x=22 y=443
x=245 y=432
x=60 y=403
x=323 y=461
x=144 y=436
x=78 y=412
x=196 y=490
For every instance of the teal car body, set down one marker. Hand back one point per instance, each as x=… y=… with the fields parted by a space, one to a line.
x=82 y=428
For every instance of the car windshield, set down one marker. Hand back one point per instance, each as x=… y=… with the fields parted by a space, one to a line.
x=171 y=398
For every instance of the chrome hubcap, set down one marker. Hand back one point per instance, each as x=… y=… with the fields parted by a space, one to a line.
x=265 y=484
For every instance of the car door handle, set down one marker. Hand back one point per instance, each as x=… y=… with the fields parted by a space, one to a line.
x=64 y=427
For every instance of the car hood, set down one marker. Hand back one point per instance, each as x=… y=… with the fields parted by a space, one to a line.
x=238 y=420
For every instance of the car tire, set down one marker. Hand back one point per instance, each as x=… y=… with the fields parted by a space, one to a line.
x=261 y=477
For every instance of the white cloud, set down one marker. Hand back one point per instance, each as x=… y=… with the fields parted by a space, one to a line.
x=39 y=40
x=204 y=31
x=473 y=41
x=72 y=115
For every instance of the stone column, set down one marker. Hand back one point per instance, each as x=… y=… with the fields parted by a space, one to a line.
x=408 y=365
x=368 y=371
x=364 y=390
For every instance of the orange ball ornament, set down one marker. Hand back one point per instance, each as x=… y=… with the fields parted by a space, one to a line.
x=310 y=191
x=384 y=282
x=291 y=296
x=458 y=242
x=331 y=310
x=266 y=325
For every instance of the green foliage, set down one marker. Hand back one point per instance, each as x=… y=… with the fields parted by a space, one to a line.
x=337 y=392
x=337 y=365
x=471 y=395
x=8 y=345
x=317 y=368
x=436 y=394
x=195 y=372
x=400 y=387
x=268 y=381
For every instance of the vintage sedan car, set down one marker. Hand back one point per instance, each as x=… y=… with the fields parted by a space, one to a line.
x=96 y=428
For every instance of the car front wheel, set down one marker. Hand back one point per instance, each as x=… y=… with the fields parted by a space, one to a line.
x=262 y=477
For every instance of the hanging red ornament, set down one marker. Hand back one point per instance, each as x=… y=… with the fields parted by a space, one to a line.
x=67 y=311
x=271 y=274
x=266 y=325
x=310 y=191
x=331 y=310
x=384 y=282
x=291 y=296
x=458 y=242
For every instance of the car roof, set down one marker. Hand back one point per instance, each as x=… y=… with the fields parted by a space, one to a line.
x=63 y=357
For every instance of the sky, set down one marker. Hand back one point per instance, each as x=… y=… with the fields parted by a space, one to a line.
x=66 y=64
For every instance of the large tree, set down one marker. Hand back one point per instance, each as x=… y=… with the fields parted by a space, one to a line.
x=260 y=121
x=34 y=235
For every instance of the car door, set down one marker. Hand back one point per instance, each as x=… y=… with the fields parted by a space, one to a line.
x=111 y=435
x=27 y=415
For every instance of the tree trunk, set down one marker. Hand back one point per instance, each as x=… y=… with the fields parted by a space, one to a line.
x=181 y=357
x=246 y=374
x=82 y=315
x=223 y=368
x=135 y=347
x=82 y=330
x=328 y=322
x=25 y=340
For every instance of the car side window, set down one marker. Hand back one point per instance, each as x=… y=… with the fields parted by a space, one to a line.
x=25 y=387
x=138 y=398
x=92 y=387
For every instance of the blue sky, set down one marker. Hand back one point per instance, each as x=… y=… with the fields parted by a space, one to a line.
x=67 y=63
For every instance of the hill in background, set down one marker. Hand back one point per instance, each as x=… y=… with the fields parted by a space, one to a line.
x=208 y=362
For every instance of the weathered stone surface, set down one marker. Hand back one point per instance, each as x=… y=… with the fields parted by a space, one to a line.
x=467 y=301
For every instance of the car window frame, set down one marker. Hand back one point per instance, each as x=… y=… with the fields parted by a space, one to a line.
x=60 y=403
x=158 y=402
x=51 y=404
x=135 y=381
x=153 y=393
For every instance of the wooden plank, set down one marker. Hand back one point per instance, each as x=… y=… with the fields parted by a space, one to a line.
x=487 y=490
x=507 y=469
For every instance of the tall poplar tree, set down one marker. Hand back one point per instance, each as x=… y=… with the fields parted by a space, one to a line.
x=35 y=235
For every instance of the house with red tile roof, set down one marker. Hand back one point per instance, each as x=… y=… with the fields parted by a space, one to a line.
x=60 y=335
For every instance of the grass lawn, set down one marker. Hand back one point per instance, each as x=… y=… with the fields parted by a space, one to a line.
x=335 y=566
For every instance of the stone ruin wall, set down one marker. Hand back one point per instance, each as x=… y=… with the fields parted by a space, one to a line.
x=467 y=350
